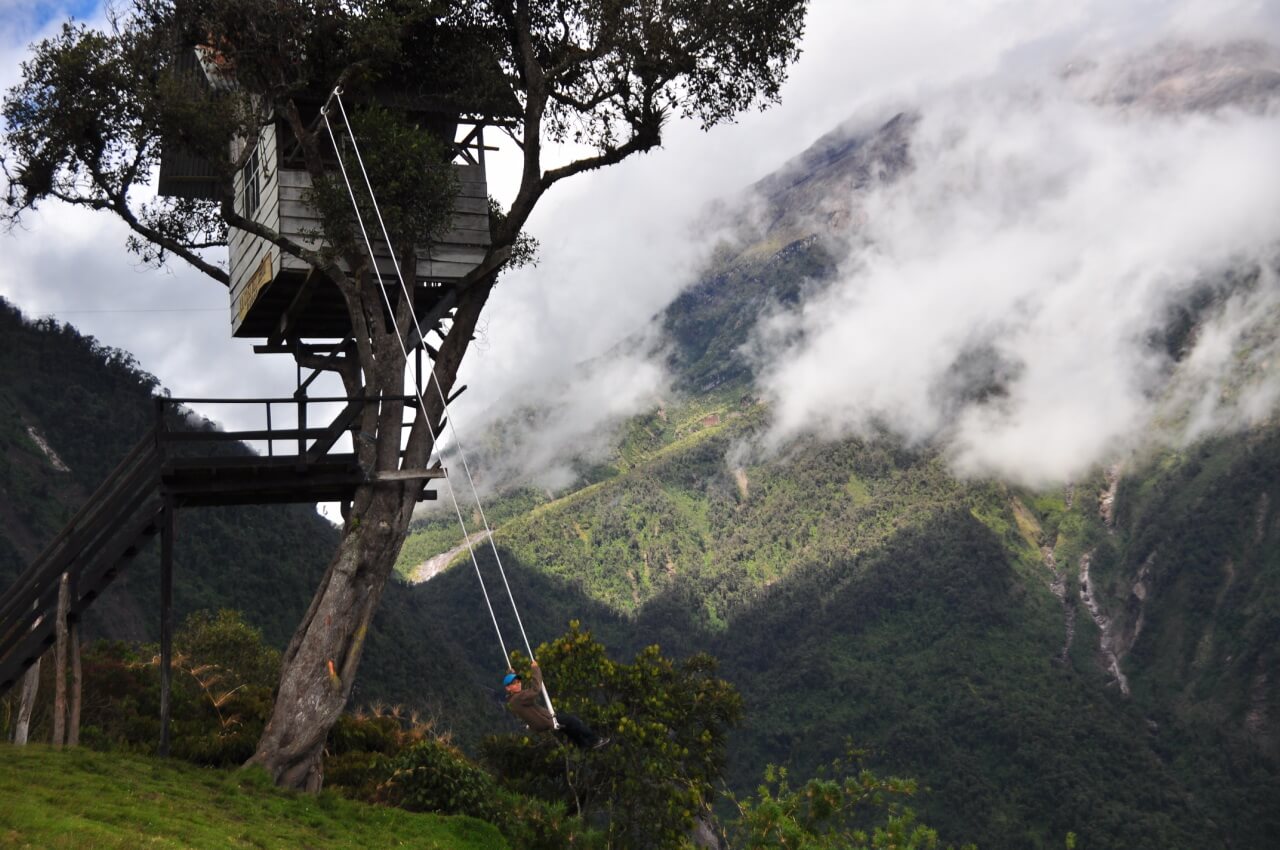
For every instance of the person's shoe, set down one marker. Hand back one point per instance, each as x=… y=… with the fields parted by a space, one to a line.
x=601 y=744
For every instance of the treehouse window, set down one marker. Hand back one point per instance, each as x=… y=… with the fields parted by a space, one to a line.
x=252 y=186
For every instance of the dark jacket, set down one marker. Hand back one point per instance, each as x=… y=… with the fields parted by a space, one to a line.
x=528 y=705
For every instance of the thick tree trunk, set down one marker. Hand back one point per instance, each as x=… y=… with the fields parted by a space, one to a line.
x=320 y=668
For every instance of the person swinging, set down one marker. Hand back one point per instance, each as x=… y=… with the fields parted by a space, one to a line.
x=526 y=704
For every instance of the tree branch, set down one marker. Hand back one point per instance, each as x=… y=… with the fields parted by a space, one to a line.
x=121 y=208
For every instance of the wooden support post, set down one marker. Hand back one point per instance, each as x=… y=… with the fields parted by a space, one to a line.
x=302 y=434
x=60 y=663
x=417 y=372
x=166 y=619
x=26 y=704
x=77 y=681
x=27 y=700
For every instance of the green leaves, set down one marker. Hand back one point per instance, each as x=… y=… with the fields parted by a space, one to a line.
x=854 y=810
x=668 y=721
x=412 y=181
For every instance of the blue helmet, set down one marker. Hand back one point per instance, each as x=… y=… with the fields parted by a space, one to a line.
x=509 y=678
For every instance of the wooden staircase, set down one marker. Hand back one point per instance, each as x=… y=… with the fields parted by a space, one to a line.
x=180 y=467
x=92 y=549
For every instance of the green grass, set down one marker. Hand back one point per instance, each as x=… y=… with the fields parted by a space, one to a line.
x=84 y=799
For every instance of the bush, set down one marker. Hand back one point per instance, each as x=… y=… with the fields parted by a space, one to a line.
x=220 y=695
x=432 y=776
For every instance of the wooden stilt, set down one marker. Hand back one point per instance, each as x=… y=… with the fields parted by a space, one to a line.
x=60 y=664
x=77 y=680
x=166 y=620
x=26 y=704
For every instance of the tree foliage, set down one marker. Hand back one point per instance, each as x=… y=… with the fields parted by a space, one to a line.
x=93 y=110
x=668 y=722
x=844 y=807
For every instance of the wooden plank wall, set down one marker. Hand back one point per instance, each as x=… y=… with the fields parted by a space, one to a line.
x=449 y=258
x=247 y=251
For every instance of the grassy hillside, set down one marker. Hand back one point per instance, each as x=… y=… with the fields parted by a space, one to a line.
x=80 y=799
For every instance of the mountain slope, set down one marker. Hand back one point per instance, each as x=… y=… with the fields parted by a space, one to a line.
x=1099 y=659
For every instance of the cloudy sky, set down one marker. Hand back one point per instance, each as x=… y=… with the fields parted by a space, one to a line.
x=617 y=245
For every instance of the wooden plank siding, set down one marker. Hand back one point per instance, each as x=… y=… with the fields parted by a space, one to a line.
x=452 y=256
x=248 y=251
x=283 y=208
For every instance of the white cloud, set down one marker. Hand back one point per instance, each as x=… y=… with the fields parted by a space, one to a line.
x=1050 y=236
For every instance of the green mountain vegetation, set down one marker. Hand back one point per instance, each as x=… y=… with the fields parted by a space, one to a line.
x=859 y=592
x=965 y=632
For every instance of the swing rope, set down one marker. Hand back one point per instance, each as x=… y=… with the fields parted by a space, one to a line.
x=433 y=378
x=422 y=405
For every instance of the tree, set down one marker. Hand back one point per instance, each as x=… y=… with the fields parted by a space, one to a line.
x=845 y=807
x=669 y=722
x=93 y=110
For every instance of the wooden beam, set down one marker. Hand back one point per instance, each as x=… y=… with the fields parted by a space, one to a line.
x=331 y=434
x=60 y=663
x=304 y=348
x=166 y=620
x=408 y=474
x=77 y=685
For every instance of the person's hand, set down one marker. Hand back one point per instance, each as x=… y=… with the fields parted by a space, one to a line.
x=533 y=664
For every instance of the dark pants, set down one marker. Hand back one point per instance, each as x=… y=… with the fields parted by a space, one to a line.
x=578 y=733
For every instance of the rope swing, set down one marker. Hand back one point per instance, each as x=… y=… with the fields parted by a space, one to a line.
x=336 y=96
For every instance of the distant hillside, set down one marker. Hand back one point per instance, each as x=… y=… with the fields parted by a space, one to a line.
x=857 y=591
x=1099 y=659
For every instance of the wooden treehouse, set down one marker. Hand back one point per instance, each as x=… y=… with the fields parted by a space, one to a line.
x=276 y=298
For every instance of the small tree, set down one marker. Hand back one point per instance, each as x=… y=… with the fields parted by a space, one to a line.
x=669 y=723
x=846 y=807
x=93 y=110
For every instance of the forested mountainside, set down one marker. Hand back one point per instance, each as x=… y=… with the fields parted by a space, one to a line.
x=967 y=634
x=1098 y=658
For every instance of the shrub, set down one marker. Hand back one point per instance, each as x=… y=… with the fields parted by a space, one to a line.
x=432 y=776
